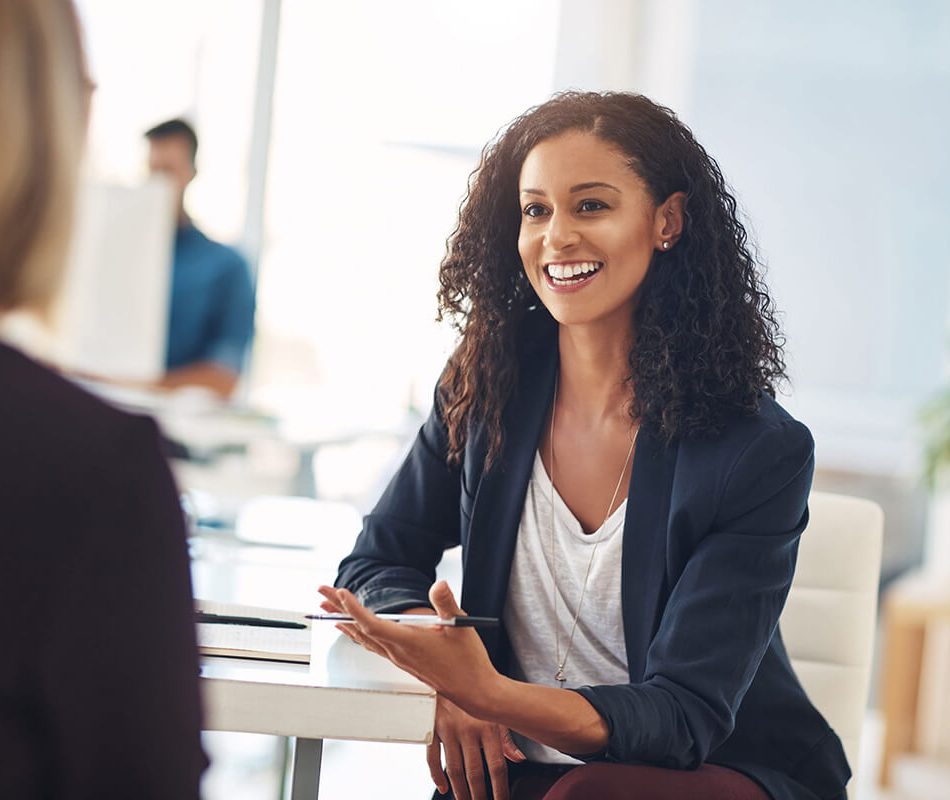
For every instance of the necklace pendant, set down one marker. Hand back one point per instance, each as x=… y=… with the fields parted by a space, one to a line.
x=559 y=675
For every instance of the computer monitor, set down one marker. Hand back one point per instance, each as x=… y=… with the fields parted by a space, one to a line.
x=112 y=317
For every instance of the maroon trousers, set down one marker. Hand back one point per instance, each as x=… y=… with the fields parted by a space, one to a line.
x=632 y=782
x=604 y=781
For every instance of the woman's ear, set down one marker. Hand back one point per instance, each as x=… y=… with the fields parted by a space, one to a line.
x=668 y=221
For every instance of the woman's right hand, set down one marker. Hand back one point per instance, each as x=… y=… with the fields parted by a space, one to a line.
x=464 y=738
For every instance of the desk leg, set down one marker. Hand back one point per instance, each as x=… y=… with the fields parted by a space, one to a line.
x=305 y=480
x=305 y=783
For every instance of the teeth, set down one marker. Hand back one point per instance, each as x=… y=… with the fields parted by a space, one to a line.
x=567 y=271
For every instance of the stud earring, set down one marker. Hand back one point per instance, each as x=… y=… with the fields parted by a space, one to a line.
x=666 y=245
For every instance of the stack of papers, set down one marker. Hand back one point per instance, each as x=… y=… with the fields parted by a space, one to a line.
x=254 y=641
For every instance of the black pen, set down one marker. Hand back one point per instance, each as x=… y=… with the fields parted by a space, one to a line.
x=259 y=622
x=419 y=619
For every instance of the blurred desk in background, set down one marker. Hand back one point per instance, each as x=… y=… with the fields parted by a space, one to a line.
x=224 y=454
x=276 y=555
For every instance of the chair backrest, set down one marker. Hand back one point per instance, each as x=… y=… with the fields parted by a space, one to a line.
x=829 y=619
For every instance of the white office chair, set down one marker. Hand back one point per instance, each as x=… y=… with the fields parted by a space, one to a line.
x=829 y=619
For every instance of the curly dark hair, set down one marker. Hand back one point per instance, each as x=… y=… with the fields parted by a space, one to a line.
x=708 y=340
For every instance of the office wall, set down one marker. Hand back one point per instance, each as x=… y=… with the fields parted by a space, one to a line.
x=831 y=121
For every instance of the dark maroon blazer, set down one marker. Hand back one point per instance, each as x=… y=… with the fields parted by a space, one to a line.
x=98 y=664
x=709 y=547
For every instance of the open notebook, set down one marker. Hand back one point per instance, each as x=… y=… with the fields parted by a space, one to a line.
x=246 y=641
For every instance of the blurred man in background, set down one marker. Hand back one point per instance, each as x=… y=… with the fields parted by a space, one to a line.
x=211 y=319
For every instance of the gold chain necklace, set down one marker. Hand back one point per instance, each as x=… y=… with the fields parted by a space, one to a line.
x=559 y=675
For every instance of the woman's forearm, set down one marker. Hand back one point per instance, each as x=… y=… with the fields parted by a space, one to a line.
x=455 y=663
x=558 y=718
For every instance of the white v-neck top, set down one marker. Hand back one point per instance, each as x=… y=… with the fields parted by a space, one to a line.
x=598 y=655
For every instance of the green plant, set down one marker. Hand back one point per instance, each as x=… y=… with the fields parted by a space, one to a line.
x=935 y=418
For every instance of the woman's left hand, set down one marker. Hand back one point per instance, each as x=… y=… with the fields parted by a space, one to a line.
x=453 y=661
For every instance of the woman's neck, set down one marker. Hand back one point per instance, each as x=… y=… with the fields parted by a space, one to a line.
x=593 y=374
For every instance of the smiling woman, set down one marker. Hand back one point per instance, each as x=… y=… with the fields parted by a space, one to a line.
x=610 y=316
x=708 y=340
x=589 y=235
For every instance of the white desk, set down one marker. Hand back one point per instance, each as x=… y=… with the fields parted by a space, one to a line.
x=345 y=693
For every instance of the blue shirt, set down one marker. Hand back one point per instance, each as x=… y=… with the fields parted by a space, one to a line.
x=212 y=303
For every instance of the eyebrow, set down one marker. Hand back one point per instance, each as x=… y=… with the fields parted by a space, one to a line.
x=579 y=187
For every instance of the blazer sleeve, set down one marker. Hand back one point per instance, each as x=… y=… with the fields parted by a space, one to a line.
x=417 y=518
x=121 y=670
x=721 y=613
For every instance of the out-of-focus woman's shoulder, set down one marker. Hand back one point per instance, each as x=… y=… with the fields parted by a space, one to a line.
x=54 y=430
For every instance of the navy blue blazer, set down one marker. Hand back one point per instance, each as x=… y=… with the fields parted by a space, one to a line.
x=710 y=541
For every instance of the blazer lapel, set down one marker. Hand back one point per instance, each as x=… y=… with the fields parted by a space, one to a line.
x=643 y=563
x=499 y=500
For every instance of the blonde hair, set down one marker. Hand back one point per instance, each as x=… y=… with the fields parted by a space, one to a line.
x=44 y=105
